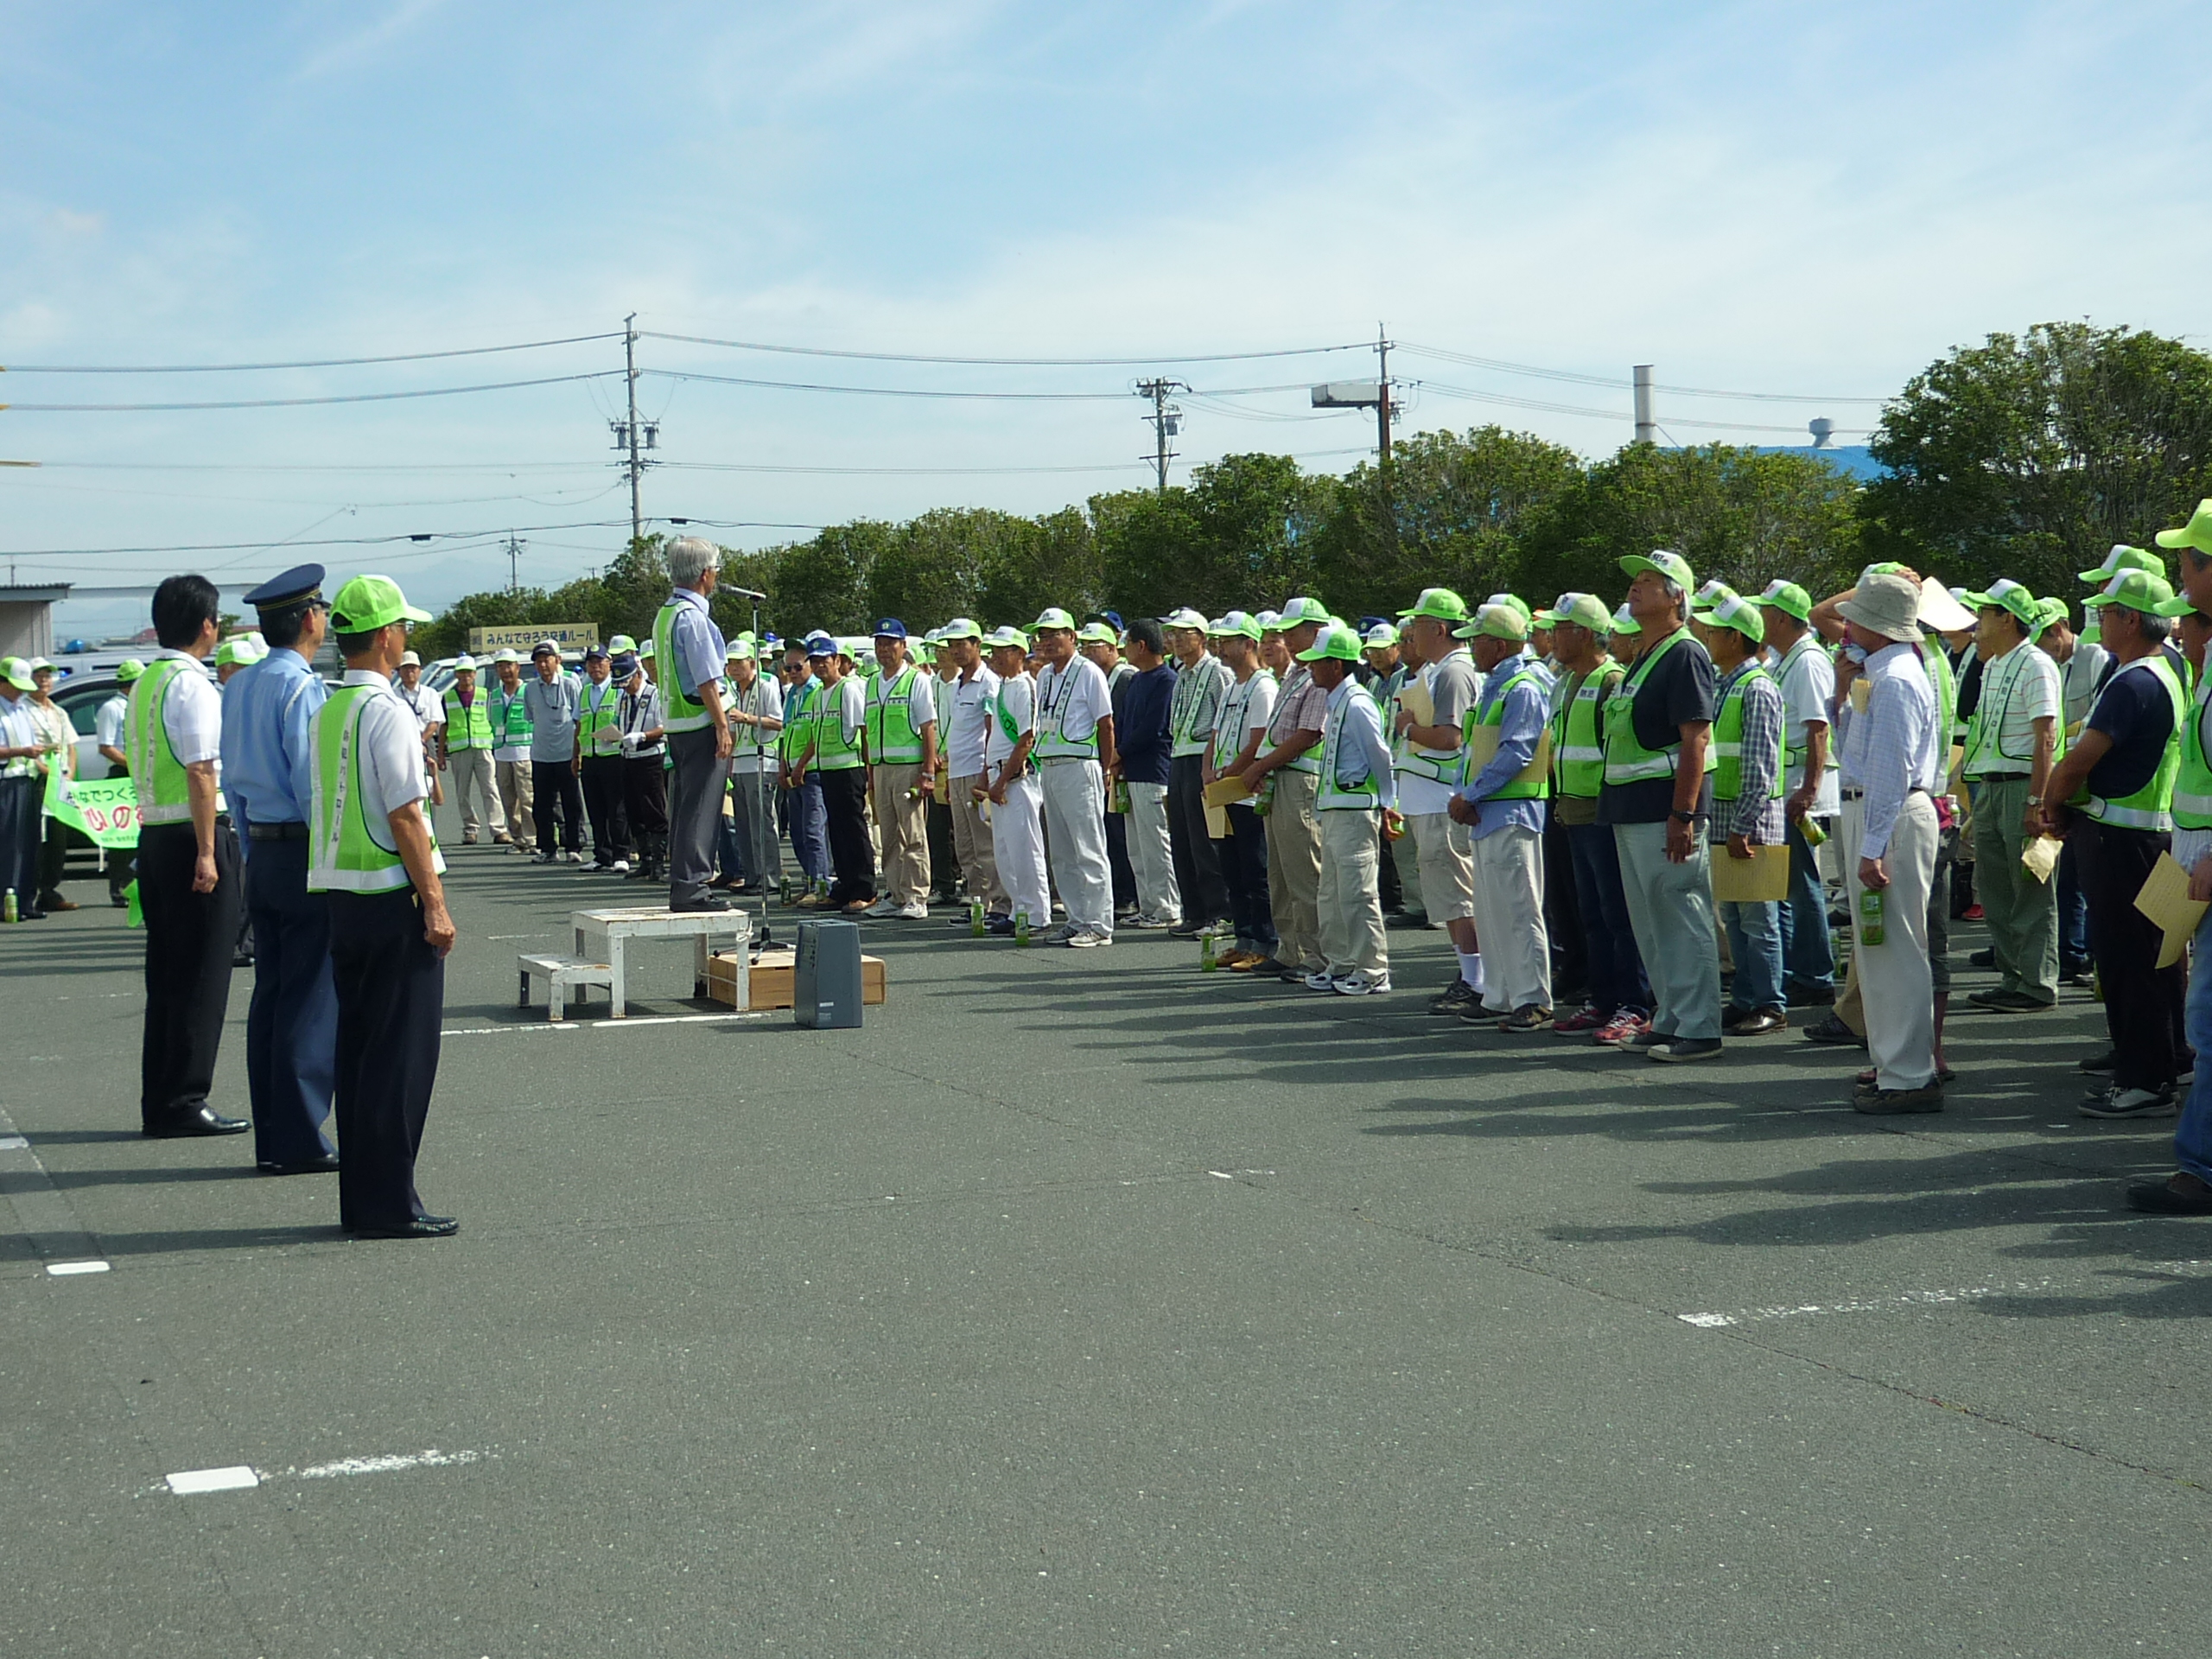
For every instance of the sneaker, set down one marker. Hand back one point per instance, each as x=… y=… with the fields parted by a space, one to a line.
x=1644 y=1040
x=2103 y=1063
x=1453 y=997
x=1084 y=938
x=2009 y=1002
x=572 y=858
x=1359 y=982
x=620 y=866
x=1899 y=1103
x=1294 y=975
x=2116 y=1102
x=1186 y=929
x=1972 y=913
x=880 y=910
x=1620 y=1030
x=1324 y=981
x=2164 y=1198
x=1834 y=1032
x=1531 y=1016
x=1144 y=923
x=917 y=911
x=1585 y=1018
x=544 y=858
x=1059 y=935
x=1681 y=1050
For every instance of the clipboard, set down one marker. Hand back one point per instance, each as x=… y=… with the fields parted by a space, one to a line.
x=1761 y=878
x=2040 y=856
x=1414 y=697
x=2164 y=900
x=1861 y=689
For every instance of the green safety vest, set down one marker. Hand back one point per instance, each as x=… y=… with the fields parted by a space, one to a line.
x=164 y=788
x=2192 y=805
x=1578 y=756
x=748 y=739
x=798 y=719
x=1229 y=728
x=1627 y=761
x=682 y=714
x=1448 y=766
x=346 y=849
x=1985 y=738
x=599 y=716
x=1946 y=696
x=1333 y=797
x=833 y=750
x=1793 y=754
x=1183 y=706
x=1052 y=744
x=469 y=728
x=1728 y=740
x=892 y=739
x=2151 y=806
x=1490 y=711
x=1309 y=761
x=511 y=721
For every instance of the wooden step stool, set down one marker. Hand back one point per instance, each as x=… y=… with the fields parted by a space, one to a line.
x=564 y=976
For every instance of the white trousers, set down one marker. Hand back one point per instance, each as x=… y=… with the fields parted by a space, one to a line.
x=1075 y=827
x=1509 y=866
x=473 y=780
x=1350 y=900
x=1896 y=988
x=1018 y=850
x=1151 y=853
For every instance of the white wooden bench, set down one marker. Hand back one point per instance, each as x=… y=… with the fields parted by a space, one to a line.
x=564 y=976
x=610 y=932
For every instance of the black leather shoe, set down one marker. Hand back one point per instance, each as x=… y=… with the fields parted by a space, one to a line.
x=206 y=1121
x=698 y=904
x=420 y=1227
x=325 y=1165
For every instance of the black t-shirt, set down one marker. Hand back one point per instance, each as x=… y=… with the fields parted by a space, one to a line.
x=1677 y=689
x=2136 y=711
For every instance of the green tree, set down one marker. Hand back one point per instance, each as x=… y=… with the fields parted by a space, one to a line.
x=2028 y=456
x=823 y=584
x=1242 y=534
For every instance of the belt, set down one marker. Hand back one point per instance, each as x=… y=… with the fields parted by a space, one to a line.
x=1983 y=776
x=276 y=832
x=1068 y=761
x=1851 y=794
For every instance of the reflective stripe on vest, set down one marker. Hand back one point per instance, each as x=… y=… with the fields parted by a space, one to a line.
x=344 y=852
x=1308 y=762
x=1490 y=711
x=798 y=719
x=1985 y=726
x=892 y=737
x=1627 y=761
x=1578 y=756
x=164 y=787
x=2151 y=806
x=1052 y=713
x=1333 y=797
x=1190 y=694
x=1229 y=729
x=2193 y=783
x=511 y=721
x=833 y=750
x=1728 y=741
x=599 y=716
x=469 y=728
x=1446 y=767
x=1793 y=754
x=681 y=713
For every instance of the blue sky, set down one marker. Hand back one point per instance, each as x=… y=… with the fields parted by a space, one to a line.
x=1807 y=200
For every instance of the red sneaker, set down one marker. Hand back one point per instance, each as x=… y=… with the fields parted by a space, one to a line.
x=1618 y=1029
x=1585 y=1018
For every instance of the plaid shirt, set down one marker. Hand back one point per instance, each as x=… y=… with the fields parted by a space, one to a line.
x=1752 y=814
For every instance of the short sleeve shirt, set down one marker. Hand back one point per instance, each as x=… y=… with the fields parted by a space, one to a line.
x=1677 y=689
x=2018 y=689
x=192 y=713
x=1077 y=694
x=2135 y=711
x=965 y=743
x=390 y=752
x=1300 y=706
x=552 y=708
x=1013 y=702
x=1807 y=688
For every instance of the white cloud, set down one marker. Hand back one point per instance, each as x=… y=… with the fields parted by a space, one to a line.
x=365 y=44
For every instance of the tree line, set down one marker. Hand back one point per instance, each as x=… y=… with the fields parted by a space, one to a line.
x=2024 y=456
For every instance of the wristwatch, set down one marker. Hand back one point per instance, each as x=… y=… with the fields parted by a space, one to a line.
x=1679 y=817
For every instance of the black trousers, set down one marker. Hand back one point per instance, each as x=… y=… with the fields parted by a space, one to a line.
x=1244 y=868
x=19 y=822
x=391 y=994
x=2143 y=1002
x=1117 y=860
x=604 y=791
x=291 y=1025
x=1563 y=913
x=122 y=861
x=645 y=795
x=558 y=803
x=944 y=863
x=1196 y=856
x=189 y=939
x=844 y=799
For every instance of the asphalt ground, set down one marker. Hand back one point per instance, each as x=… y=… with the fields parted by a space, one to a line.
x=1084 y=1304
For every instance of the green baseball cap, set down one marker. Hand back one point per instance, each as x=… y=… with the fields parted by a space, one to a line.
x=1788 y=598
x=2179 y=605
x=1712 y=594
x=2196 y=533
x=2006 y=594
x=960 y=627
x=739 y=649
x=17 y=672
x=1341 y=645
x=2124 y=557
x=1441 y=603
x=1184 y=617
x=1010 y=639
x=1583 y=610
x=366 y=603
x=2136 y=589
x=1052 y=617
x=128 y=669
x=1624 y=623
x=1494 y=619
x=623 y=642
x=1381 y=637
x=1234 y=625
x=1671 y=565
x=1300 y=611
x=1096 y=633
x=1738 y=613
x=1512 y=602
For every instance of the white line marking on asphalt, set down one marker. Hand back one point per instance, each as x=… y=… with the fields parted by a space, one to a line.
x=1221 y=1174
x=626 y=1022
x=13 y=1143
x=69 y=1269
x=494 y=938
x=191 y=1481
x=1910 y=1299
x=433 y=1459
x=503 y=1031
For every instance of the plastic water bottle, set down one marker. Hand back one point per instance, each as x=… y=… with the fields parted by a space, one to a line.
x=1207 y=962
x=1021 y=927
x=8 y=912
x=974 y=917
x=1810 y=829
x=1870 y=915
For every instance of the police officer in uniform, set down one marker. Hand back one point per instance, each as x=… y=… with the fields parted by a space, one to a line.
x=269 y=712
x=371 y=849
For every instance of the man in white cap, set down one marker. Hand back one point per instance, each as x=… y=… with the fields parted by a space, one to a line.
x=755 y=707
x=428 y=714
x=1142 y=740
x=1500 y=808
x=1201 y=682
x=1894 y=749
x=1074 y=748
x=1432 y=766
x=509 y=717
x=1286 y=773
x=1099 y=639
x=902 y=740
x=970 y=686
x=1245 y=712
x=465 y=741
x=1355 y=782
x=1008 y=791
x=1807 y=679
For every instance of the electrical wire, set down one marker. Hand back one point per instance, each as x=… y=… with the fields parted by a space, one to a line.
x=300 y=403
x=1615 y=381
x=1011 y=362
x=312 y=363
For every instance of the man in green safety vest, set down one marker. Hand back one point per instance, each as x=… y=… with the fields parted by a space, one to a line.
x=371 y=849
x=465 y=743
x=1747 y=808
x=509 y=716
x=901 y=735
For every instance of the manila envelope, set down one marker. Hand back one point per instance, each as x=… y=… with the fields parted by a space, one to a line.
x=1482 y=745
x=1223 y=791
x=1217 y=823
x=2164 y=899
x=2040 y=856
x=1760 y=879
x=1414 y=697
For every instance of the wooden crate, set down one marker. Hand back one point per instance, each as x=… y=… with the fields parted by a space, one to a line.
x=771 y=980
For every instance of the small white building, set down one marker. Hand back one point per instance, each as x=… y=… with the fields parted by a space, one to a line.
x=27 y=618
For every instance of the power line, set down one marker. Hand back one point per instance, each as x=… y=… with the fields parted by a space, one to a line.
x=300 y=403
x=1009 y=362
x=891 y=391
x=311 y=363
x=1504 y=367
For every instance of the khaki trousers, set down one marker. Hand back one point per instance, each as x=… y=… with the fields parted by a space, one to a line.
x=1510 y=920
x=2022 y=912
x=903 y=827
x=512 y=778
x=975 y=844
x=471 y=770
x=1294 y=871
x=1349 y=898
x=1448 y=866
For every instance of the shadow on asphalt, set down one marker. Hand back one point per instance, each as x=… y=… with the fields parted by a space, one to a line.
x=217 y=1238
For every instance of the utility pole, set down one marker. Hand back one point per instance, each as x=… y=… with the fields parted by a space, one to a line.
x=514 y=563
x=1167 y=423
x=1383 y=403
x=632 y=436
x=1647 y=430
